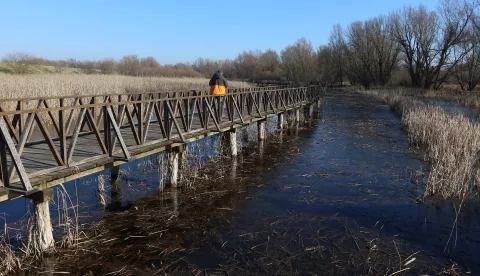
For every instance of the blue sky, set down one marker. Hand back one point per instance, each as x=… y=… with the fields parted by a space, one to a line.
x=175 y=31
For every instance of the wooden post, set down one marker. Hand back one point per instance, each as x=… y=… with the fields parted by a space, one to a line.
x=310 y=112
x=63 y=132
x=43 y=225
x=281 y=117
x=140 y=118
x=173 y=158
x=232 y=141
x=297 y=115
x=261 y=130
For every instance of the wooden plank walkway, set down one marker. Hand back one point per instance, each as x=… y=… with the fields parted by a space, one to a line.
x=67 y=138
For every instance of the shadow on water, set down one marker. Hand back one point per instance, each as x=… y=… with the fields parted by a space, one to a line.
x=338 y=198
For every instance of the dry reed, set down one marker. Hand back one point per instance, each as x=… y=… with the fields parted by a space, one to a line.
x=54 y=85
x=451 y=143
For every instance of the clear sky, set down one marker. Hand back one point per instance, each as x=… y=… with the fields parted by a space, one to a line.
x=175 y=31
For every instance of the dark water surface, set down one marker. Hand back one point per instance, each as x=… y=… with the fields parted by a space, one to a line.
x=338 y=198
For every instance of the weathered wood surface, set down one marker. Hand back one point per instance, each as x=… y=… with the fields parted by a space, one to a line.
x=46 y=141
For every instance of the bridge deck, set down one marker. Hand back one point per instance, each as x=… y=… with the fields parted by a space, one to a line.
x=190 y=117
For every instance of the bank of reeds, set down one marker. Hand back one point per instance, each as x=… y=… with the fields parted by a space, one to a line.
x=451 y=143
x=466 y=98
x=55 y=85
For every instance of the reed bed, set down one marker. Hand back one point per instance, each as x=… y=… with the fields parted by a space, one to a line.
x=55 y=85
x=451 y=143
x=466 y=98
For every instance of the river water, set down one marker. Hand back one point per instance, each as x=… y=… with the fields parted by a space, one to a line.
x=340 y=197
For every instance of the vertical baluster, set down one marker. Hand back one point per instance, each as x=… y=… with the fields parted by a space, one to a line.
x=63 y=134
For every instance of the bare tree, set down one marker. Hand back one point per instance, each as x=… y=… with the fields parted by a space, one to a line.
x=18 y=62
x=337 y=45
x=248 y=64
x=150 y=62
x=205 y=66
x=298 y=61
x=360 y=56
x=326 y=63
x=107 y=66
x=269 y=61
x=428 y=40
x=385 y=49
x=129 y=65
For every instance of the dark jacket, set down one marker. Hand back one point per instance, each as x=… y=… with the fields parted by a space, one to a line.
x=218 y=79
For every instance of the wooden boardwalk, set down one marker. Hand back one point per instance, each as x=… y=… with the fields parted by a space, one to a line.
x=48 y=141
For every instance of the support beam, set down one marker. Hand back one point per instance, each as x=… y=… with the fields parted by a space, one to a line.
x=173 y=159
x=280 y=121
x=43 y=225
x=261 y=130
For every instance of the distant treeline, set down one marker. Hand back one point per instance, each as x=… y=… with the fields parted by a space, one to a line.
x=413 y=46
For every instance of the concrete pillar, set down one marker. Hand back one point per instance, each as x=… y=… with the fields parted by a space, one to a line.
x=232 y=142
x=43 y=225
x=281 y=117
x=297 y=115
x=261 y=130
x=173 y=158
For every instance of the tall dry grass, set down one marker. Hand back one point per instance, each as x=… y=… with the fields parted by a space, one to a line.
x=52 y=85
x=451 y=143
x=466 y=98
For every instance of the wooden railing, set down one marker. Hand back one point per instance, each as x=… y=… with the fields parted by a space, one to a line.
x=59 y=123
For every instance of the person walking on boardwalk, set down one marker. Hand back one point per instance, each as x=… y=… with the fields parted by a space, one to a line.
x=218 y=84
x=218 y=87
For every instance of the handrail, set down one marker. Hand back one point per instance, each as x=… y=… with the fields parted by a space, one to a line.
x=130 y=93
x=113 y=103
